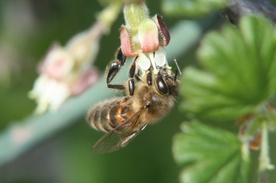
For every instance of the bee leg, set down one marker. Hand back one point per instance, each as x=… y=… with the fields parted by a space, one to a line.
x=133 y=71
x=114 y=68
x=112 y=71
x=117 y=87
x=149 y=77
x=138 y=78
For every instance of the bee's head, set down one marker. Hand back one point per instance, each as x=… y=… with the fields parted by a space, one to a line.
x=166 y=82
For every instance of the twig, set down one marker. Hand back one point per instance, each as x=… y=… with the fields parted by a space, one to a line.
x=264 y=159
x=237 y=8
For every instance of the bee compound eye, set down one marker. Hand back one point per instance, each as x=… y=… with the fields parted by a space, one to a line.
x=161 y=85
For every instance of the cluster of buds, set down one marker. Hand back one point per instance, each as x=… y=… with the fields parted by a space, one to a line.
x=66 y=71
x=143 y=36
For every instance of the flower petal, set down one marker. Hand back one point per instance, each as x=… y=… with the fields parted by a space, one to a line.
x=126 y=42
x=57 y=64
x=160 y=57
x=87 y=79
x=148 y=36
x=164 y=36
x=143 y=62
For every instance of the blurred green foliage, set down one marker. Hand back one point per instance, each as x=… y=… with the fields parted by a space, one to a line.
x=239 y=76
x=191 y=8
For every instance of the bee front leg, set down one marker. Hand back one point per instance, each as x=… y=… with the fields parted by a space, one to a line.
x=114 y=68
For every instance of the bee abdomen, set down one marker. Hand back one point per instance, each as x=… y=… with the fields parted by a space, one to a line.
x=99 y=117
x=110 y=114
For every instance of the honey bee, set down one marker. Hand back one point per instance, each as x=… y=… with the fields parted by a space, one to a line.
x=145 y=62
x=123 y=118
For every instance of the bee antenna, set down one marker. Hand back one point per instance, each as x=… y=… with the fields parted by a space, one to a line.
x=175 y=76
x=178 y=68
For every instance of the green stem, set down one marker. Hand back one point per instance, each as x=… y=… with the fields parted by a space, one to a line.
x=110 y=14
x=264 y=159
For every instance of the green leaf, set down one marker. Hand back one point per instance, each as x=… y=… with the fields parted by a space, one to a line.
x=210 y=155
x=191 y=8
x=239 y=74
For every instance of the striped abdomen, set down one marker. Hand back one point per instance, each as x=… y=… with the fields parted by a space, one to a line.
x=109 y=114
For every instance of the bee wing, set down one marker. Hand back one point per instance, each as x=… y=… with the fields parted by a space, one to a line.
x=120 y=136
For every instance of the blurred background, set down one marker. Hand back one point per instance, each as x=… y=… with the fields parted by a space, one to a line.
x=27 y=29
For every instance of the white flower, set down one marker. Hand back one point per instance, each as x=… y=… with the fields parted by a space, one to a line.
x=48 y=93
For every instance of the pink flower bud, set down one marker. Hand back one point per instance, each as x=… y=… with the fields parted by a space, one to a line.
x=148 y=36
x=57 y=64
x=126 y=42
